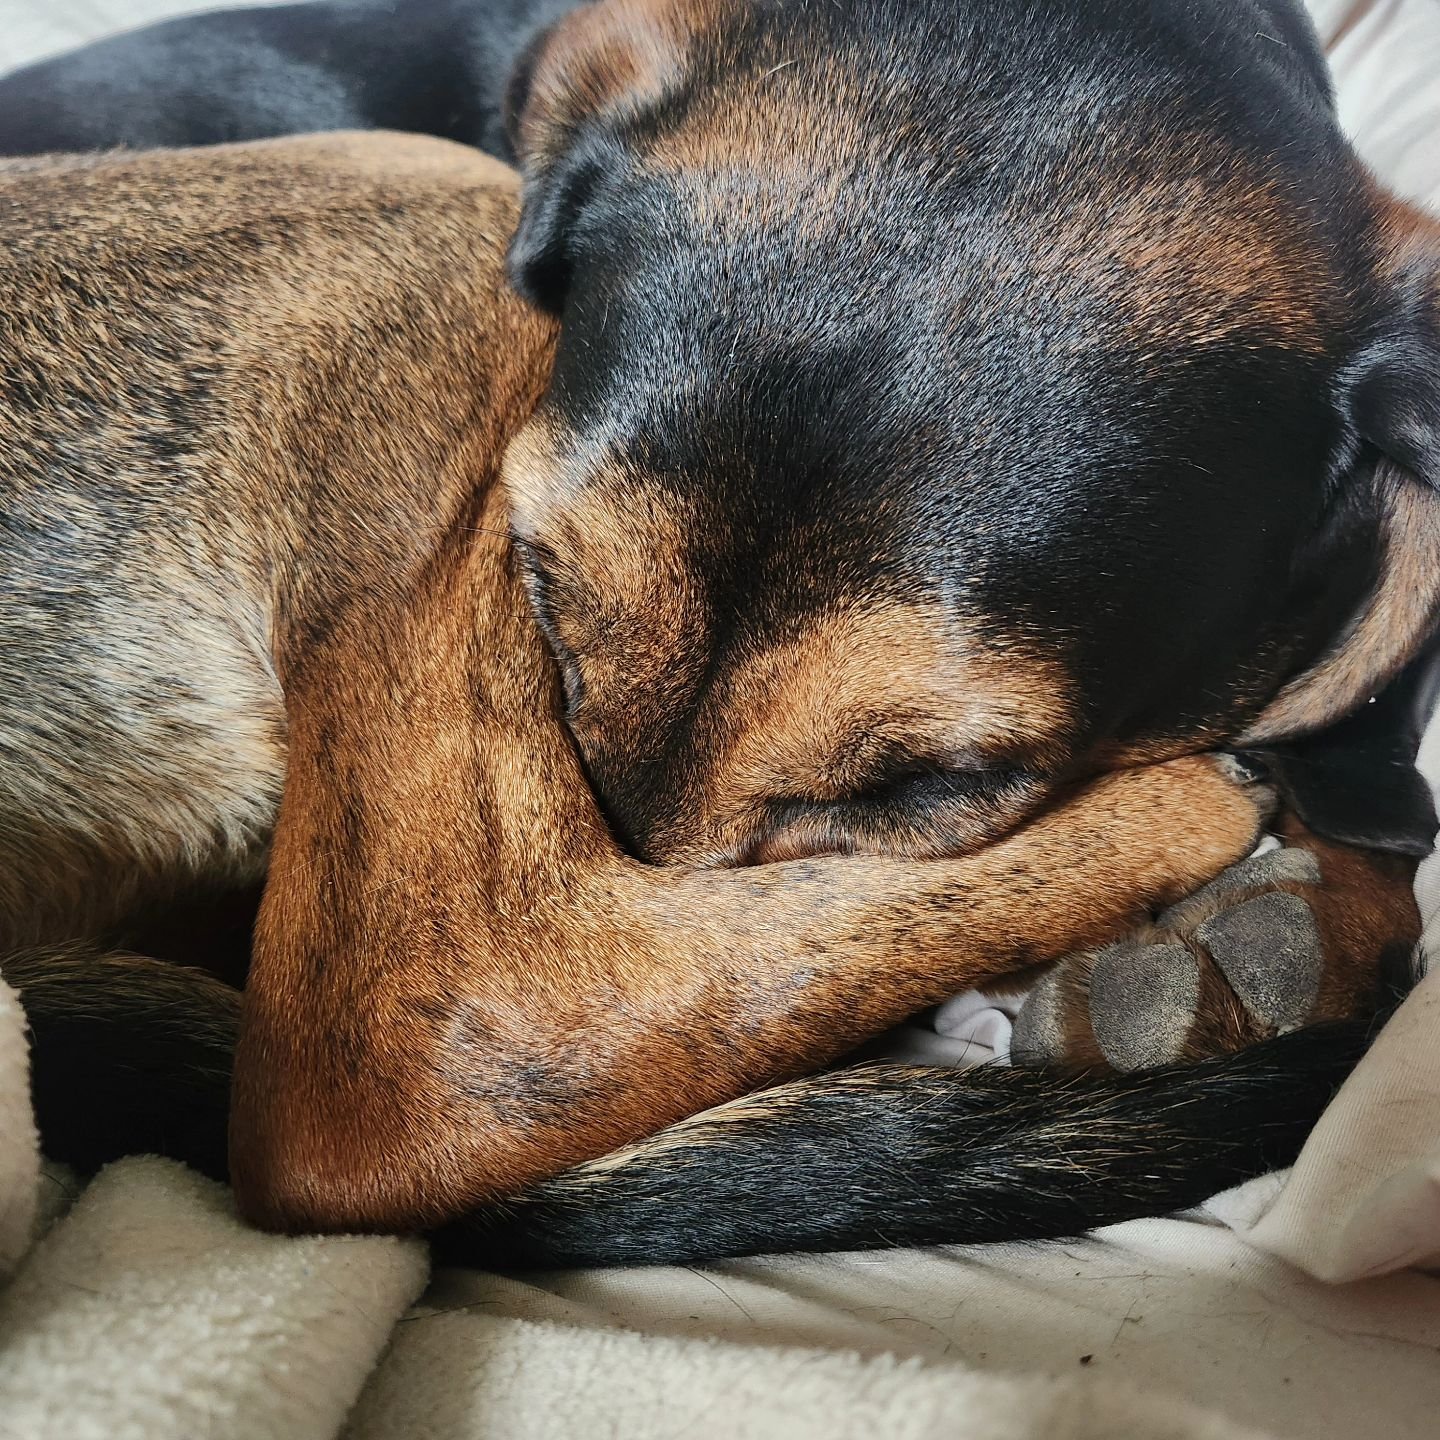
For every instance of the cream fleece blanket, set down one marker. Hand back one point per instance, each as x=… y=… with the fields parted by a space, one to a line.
x=150 y=1313
x=146 y=1310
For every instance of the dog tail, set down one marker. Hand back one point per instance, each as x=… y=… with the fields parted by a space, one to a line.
x=882 y=1155
x=132 y=1055
x=128 y=1055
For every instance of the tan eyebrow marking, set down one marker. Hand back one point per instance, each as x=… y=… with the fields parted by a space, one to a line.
x=818 y=709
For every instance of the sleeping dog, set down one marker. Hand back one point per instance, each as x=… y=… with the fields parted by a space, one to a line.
x=951 y=404
x=262 y=612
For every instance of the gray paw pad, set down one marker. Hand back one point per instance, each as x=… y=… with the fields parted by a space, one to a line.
x=1038 y=1036
x=1269 y=949
x=1292 y=865
x=1142 y=1003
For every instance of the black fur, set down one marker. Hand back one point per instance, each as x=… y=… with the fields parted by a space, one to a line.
x=1395 y=397
x=439 y=67
x=129 y=1056
x=1357 y=782
x=947 y=1157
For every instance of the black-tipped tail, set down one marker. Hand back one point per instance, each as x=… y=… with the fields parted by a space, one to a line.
x=128 y=1055
x=893 y=1155
x=134 y=1055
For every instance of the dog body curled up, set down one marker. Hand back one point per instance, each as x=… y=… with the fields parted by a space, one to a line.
x=261 y=613
x=931 y=431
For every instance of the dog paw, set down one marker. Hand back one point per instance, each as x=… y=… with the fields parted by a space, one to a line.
x=1239 y=961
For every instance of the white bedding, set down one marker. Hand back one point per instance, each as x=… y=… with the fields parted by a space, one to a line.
x=149 y=1312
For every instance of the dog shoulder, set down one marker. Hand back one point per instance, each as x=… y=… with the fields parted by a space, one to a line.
x=232 y=377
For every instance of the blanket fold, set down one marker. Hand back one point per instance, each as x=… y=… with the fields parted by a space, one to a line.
x=150 y=1312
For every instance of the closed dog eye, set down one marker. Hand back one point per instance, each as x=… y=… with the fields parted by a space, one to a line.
x=540 y=587
x=915 y=808
x=919 y=786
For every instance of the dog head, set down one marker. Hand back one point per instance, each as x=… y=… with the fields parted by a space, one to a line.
x=951 y=401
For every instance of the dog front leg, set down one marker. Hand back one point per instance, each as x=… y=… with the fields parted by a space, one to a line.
x=461 y=986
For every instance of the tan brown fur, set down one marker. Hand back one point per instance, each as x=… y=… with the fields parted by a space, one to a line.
x=189 y=782
x=1197 y=253
x=460 y=984
x=784 y=131
x=626 y=592
x=814 y=715
x=610 y=59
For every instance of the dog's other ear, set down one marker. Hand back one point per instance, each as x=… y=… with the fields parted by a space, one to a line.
x=1392 y=398
x=1395 y=387
x=1357 y=782
x=571 y=92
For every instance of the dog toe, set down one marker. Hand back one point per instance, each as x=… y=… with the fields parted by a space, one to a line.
x=1240 y=960
x=1143 y=1000
x=1270 y=951
x=1043 y=1029
x=1260 y=872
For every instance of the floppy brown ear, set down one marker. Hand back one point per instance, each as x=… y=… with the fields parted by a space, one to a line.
x=600 y=66
x=1393 y=399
